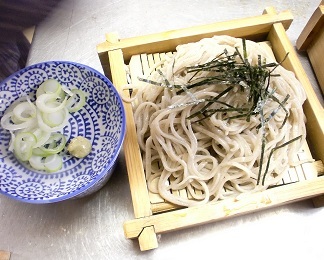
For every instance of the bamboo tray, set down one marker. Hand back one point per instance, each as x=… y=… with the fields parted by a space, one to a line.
x=152 y=214
x=311 y=40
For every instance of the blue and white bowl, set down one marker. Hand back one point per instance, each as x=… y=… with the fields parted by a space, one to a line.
x=101 y=120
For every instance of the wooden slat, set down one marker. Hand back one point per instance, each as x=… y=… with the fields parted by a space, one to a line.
x=147 y=239
x=311 y=39
x=135 y=69
x=286 y=178
x=298 y=172
x=183 y=193
x=308 y=167
x=293 y=174
x=155 y=197
x=313 y=109
x=319 y=200
x=315 y=54
x=162 y=56
x=137 y=181
x=131 y=147
x=252 y=27
x=157 y=59
x=145 y=64
x=312 y=28
x=211 y=212
x=163 y=207
x=150 y=60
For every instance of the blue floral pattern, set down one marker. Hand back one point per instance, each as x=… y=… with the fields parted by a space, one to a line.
x=101 y=120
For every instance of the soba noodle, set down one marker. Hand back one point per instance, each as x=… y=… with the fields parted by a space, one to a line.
x=214 y=158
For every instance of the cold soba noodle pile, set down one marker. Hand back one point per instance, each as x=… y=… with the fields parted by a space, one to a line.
x=219 y=118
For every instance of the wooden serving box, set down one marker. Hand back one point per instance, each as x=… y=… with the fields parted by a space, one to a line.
x=153 y=215
x=311 y=40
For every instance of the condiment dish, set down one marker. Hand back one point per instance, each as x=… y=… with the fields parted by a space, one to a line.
x=101 y=121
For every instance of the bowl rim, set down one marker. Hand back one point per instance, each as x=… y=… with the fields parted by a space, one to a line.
x=108 y=167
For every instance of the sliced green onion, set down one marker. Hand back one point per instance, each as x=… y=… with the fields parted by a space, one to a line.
x=39 y=152
x=8 y=124
x=46 y=127
x=23 y=145
x=54 y=144
x=50 y=86
x=57 y=118
x=37 y=162
x=34 y=127
x=12 y=140
x=24 y=111
x=66 y=90
x=41 y=136
x=48 y=103
x=53 y=163
x=76 y=101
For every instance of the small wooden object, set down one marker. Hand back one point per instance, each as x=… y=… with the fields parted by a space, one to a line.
x=4 y=255
x=311 y=40
x=153 y=215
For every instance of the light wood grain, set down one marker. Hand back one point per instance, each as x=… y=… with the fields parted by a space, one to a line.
x=315 y=53
x=312 y=28
x=312 y=108
x=311 y=39
x=216 y=211
x=140 y=197
x=4 y=255
x=147 y=239
x=254 y=28
x=131 y=147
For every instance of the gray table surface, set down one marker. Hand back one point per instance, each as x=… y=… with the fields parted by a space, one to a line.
x=92 y=227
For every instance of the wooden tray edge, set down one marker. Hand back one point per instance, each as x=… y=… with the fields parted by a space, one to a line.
x=315 y=23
